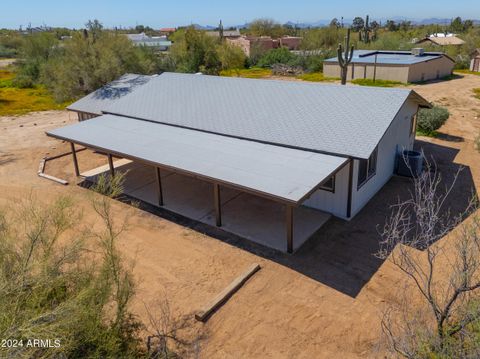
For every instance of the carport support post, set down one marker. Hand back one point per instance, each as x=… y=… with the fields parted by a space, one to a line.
x=159 y=183
x=289 y=227
x=75 y=161
x=110 y=165
x=216 y=199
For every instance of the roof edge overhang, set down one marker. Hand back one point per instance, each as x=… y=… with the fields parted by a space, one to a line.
x=422 y=102
x=267 y=195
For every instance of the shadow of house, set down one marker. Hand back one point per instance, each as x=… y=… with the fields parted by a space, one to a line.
x=341 y=254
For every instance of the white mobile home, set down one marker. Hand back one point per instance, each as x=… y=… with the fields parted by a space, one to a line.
x=298 y=145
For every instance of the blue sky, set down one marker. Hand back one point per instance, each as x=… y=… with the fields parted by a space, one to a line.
x=181 y=12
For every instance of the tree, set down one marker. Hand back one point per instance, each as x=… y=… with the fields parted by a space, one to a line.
x=266 y=27
x=456 y=25
x=335 y=23
x=444 y=273
x=405 y=25
x=230 y=56
x=390 y=25
x=357 y=24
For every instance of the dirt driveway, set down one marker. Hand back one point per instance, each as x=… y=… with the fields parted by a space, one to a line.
x=323 y=302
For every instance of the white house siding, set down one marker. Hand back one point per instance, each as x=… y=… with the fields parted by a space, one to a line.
x=395 y=140
x=333 y=202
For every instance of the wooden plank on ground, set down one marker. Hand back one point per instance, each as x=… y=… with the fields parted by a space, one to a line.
x=225 y=294
x=55 y=179
x=41 y=166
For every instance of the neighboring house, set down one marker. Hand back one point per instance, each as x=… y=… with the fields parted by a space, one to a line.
x=246 y=43
x=446 y=40
x=402 y=66
x=475 y=62
x=297 y=145
x=158 y=42
x=227 y=34
x=167 y=30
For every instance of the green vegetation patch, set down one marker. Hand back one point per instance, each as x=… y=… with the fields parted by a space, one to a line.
x=476 y=93
x=19 y=101
x=430 y=120
x=315 y=77
x=378 y=83
x=251 y=73
x=468 y=72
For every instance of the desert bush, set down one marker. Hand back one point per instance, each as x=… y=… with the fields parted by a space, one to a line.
x=443 y=272
x=55 y=285
x=278 y=56
x=430 y=120
x=230 y=56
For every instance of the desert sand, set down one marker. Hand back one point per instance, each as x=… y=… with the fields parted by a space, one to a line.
x=325 y=301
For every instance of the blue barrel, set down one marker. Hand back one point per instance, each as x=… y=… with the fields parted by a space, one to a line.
x=409 y=163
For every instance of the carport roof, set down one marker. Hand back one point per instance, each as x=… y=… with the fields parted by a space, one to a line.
x=284 y=174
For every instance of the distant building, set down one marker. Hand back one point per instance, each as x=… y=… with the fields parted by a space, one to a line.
x=246 y=43
x=475 y=63
x=227 y=34
x=441 y=40
x=167 y=30
x=402 y=66
x=159 y=42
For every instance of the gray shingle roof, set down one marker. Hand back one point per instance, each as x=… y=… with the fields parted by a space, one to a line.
x=95 y=102
x=284 y=173
x=335 y=119
x=389 y=57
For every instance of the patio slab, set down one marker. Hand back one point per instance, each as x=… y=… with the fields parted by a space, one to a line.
x=251 y=217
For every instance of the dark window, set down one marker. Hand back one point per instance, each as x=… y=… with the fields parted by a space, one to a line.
x=367 y=169
x=329 y=185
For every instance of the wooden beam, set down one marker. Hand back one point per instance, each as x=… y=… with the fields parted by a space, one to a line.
x=223 y=296
x=350 y=189
x=75 y=161
x=51 y=178
x=110 y=165
x=217 y=204
x=289 y=227
x=159 y=183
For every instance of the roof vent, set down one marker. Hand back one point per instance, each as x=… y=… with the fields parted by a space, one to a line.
x=418 y=51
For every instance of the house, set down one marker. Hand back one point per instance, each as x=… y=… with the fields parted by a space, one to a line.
x=445 y=40
x=227 y=34
x=167 y=30
x=160 y=43
x=267 y=160
x=265 y=43
x=475 y=62
x=403 y=66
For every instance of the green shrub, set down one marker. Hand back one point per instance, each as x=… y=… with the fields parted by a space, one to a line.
x=278 y=56
x=430 y=120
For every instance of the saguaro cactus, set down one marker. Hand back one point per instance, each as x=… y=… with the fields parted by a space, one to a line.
x=365 y=32
x=220 y=30
x=345 y=57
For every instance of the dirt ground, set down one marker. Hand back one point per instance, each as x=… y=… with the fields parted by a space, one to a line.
x=323 y=302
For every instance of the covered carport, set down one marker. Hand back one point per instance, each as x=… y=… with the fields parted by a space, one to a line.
x=230 y=166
